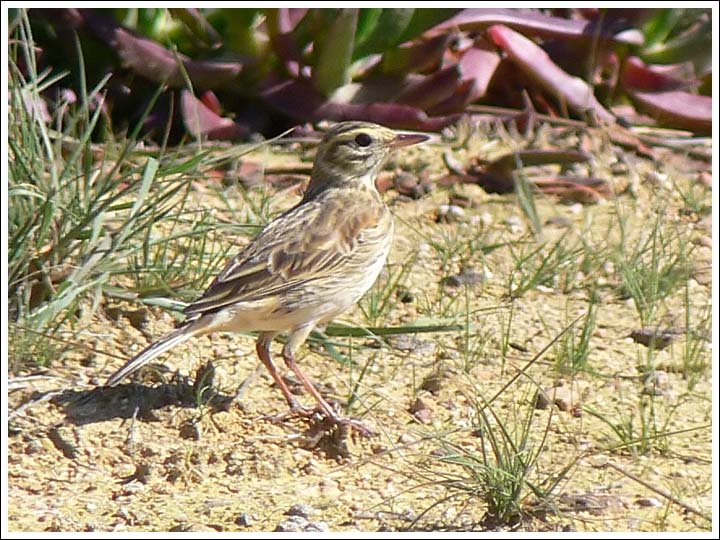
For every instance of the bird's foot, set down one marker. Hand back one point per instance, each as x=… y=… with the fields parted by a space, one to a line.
x=322 y=419
x=343 y=423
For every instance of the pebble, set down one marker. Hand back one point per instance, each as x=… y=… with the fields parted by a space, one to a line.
x=559 y=221
x=411 y=186
x=138 y=317
x=649 y=502
x=330 y=488
x=486 y=218
x=657 y=179
x=562 y=396
x=301 y=524
x=704 y=241
x=656 y=382
x=193 y=527
x=514 y=223
x=404 y=295
x=422 y=411
x=467 y=276
x=423 y=250
x=463 y=201
x=705 y=178
x=302 y=510
x=243 y=520
x=452 y=164
x=545 y=289
x=432 y=383
x=654 y=337
x=406 y=438
x=449 y=213
x=294 y=524
x=407 y=342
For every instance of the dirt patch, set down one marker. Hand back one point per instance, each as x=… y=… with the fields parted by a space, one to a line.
x=165 y=454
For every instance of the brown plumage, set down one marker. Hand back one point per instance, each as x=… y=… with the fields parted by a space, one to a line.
x=308 y=265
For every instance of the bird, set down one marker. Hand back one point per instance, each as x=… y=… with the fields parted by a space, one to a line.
x=306 y=266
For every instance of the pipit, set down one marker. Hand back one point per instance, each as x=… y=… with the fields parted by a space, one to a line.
x=308 y=265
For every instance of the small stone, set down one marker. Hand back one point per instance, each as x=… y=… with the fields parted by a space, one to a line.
x=463 y=201
x=243 y=520
x=330 y=488
x=452 y=164
x=656 y=382
x=564 y=399
x=411 y=186
x=190 y=430
x=705 y=224
x=432 y=383
x=193 y=527
x=422 y=411
x=542 y=400
x=467 y=276
x=449 y=213
x=486 y=218
x=657 y=179
x=404 y=295
x=317 y=526
x=138 y=317
x=514 y=223
x=704 y=241
x=294 y=524
x=559 y=221
x=302 y=510
x=701 y=276
x=408 y=342
x=423 y=249
x=545 y=289
x=619 y=168
x=406 y=438
x=113 y=313
x=704 y=178
x=656 y=338
x=651 y=502
x=561 y=396
x=301 y=524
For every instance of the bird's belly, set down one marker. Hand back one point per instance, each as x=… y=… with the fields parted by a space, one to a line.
x=315 y=302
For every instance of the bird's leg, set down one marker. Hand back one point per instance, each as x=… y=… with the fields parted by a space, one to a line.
x=263 y=350
x=324 y=406
x=288 y=352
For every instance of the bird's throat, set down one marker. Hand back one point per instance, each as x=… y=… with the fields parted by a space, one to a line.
x=325 y=177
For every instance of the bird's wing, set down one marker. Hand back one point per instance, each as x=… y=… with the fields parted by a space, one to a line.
x=308 y=242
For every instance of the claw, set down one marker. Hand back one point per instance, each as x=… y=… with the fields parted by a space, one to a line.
x=322 y=418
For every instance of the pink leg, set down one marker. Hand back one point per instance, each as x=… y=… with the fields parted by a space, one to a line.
x=263 y=350
x=295 y=339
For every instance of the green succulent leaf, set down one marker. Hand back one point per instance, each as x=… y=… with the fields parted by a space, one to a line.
x=424 y=19
x=694 y=45
x=334 y=48
x=658 y=28
x=387 y=32
x=367 y=21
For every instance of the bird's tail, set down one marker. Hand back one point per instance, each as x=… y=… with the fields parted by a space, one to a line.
x=151 y=351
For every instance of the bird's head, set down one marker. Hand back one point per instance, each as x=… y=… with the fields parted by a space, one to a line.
x=355 y=151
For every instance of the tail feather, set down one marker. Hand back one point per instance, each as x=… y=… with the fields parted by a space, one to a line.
x=150 y=352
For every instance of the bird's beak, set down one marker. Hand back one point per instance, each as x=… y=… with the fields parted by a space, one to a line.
x=406 y=139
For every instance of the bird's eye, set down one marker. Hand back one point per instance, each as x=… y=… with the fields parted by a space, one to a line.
x=363 y=139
